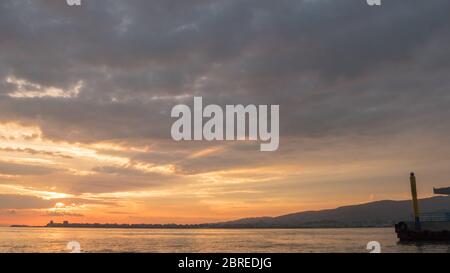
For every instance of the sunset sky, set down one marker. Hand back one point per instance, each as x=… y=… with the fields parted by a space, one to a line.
x=86 y=94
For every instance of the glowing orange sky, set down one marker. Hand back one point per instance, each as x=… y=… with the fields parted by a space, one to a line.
x=49 y=171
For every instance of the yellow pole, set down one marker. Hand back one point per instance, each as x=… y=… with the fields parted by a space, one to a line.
x=412 y=180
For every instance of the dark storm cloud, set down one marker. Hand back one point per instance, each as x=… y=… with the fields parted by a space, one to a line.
x=335 y=67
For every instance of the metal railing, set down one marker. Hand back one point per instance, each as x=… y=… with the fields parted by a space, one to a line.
x=435 y=217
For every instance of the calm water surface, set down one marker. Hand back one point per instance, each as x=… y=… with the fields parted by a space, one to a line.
x=206 y=240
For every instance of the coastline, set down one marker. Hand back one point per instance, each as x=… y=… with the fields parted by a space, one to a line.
x=200 y=226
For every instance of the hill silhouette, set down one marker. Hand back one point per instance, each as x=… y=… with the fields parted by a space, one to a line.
x=373 y=214
x=380 y=213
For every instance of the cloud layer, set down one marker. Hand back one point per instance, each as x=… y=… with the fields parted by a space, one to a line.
x=88 y=91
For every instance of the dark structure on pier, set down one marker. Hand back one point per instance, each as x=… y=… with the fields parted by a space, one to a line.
x=425 y=227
